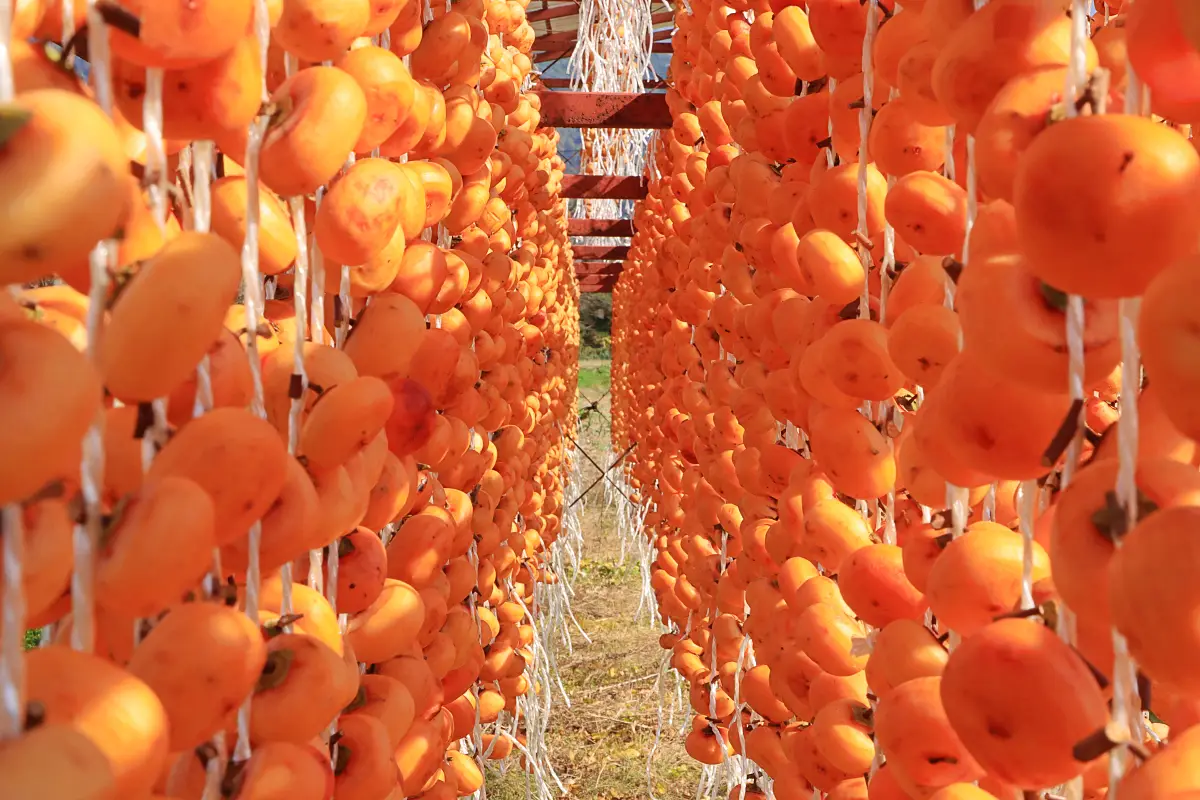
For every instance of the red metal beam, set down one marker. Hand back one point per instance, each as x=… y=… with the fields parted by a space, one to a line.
x=565 y=83
x=556 y=41
x=598 y=276
x=587 y=252
x=661 y=47
x=541 y=58
x=645 y=111
x=554 y=12
x=605 y=287
x=597 y=269
x=565 y=40
x=603 y=187
x=600 y=227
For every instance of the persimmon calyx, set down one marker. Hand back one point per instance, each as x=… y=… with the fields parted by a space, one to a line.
x=12 y=120
x=35 y=715
x=863 y=715
x=275 y=671
x=1055 y=299
x=111 y=521
x=1112 y=521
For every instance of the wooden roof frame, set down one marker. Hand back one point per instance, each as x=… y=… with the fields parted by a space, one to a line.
x=555 y=24
x=556 y=28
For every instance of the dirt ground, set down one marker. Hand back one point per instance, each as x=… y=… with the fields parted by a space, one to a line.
x=599 y=746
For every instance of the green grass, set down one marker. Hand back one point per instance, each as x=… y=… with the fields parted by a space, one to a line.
x=594 y=377
x=600 y=744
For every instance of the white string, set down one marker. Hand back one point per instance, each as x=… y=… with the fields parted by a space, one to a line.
x=252 y=302
x=202 y=173
x=12 y=657
x=972 y=201
x=7 y=83
x=344 y=301
x=156 y=155
x=612 y=54
x=316 y=325
x=864 y=128
x=68 y=29
x=1026 y=502
x=1126 y=705
x=300 y=299
x=201 y=163
x=103 y=254
x=1075 y=80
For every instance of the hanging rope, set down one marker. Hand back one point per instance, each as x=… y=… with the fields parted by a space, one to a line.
x=102 y=257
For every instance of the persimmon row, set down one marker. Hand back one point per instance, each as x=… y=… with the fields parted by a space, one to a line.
x=921 y=527
x=318 y=536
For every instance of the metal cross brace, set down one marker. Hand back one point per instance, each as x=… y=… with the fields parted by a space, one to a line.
x=594 y=407
x=604 y=472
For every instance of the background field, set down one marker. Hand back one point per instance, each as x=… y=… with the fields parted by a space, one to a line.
x=599 y=745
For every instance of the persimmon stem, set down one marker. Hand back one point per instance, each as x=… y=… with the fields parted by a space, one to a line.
x=205 y=753
x=1099 y=742
x=51 y=491
x=145 y=420
x=1021 y=613
x=117 y=17
x=1144 y=687
x=275 y=627
x=343 y=758
x=1106 y=739
x=35 y=715
x=112 y=521
x=1066 y=432
x=231 y=785
x=1101 y=678
x=12 y=120
x=953 y=268
x=70 y=48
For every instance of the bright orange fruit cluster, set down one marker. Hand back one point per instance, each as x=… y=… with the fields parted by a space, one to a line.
x=923 y=529
x=294 y=537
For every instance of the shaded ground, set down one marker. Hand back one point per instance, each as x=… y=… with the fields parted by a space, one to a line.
x=600 y=744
